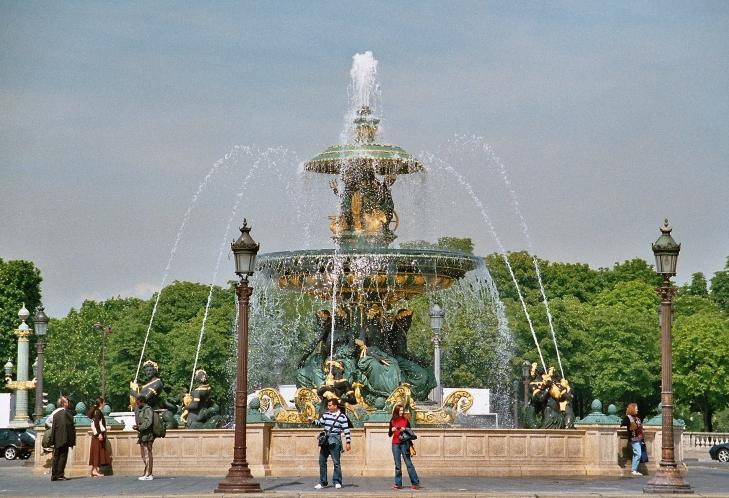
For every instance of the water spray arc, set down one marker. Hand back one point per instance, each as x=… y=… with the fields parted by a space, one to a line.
x=502 y=251
x=495 y=159
x=231 y=158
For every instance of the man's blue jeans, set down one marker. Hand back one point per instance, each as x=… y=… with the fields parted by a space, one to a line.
x=637 y=451
x=403 y=450
x=334 y=449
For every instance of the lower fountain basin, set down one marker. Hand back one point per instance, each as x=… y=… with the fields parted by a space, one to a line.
x=373 y=275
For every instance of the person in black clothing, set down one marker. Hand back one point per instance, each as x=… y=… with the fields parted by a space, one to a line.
x=64 y=437
x=635 y=435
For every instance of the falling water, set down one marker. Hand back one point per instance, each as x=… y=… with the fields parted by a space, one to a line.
x=480 y=144
x=467 y=186
x=223 y=245
x=231 y=158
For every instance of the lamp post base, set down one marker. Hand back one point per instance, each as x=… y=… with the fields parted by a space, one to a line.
x=667 y=480
x=238 y=480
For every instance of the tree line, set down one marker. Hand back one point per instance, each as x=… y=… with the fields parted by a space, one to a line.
x=605 y=320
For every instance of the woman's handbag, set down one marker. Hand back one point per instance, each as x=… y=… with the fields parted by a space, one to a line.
x=643 y=452
x=407 y=434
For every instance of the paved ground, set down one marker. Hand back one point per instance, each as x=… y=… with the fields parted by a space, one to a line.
x=16 y=479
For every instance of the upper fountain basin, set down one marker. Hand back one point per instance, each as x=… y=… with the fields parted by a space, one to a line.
x=384 y=159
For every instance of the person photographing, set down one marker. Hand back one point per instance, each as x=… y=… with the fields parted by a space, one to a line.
x=334 y=423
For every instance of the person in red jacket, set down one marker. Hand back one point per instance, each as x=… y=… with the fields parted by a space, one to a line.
x=401 y=449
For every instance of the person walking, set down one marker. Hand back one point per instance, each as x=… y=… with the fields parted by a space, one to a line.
x=98 y=453
x=635 y=435
x=144 y=418
x=335 y=423
x=399 y=424
x=63 y=436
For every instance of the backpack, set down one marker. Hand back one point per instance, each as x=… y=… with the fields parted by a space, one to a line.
x=159 y=427
x=47 y=441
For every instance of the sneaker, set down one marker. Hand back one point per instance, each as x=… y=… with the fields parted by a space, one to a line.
x=320 y=486
x=338 y=486
x=142 y=478
x=636 y=473
x=395 y=486
x=415 y=487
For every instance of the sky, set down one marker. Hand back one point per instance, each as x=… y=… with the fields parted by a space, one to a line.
x=116 y=119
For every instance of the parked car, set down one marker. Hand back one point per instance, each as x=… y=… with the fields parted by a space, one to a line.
x=17 y=443
x=720 y=452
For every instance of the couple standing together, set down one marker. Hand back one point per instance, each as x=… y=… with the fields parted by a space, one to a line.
x=336 y=423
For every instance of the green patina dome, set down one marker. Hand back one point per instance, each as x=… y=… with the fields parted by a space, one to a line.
x=385 y=159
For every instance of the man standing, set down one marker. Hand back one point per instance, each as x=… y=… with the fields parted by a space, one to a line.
x=335 y=423
x=64 y=437
x=144 y=418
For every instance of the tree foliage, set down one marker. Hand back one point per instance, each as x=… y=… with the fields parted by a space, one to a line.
x=172 y=343
x=720 y=287
x=19 y=283
x=701 y=369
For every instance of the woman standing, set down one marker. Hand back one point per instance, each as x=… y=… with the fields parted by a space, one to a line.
x=398 y=423
x=635 y=435
x=99 y=455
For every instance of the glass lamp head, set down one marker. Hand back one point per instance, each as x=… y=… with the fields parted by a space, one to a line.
x=40 y=322
x=666 y=250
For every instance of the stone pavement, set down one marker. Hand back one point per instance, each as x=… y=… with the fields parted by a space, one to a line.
x=16 y=479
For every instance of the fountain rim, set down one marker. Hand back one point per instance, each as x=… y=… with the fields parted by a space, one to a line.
x=374 y=251
x=388 y=159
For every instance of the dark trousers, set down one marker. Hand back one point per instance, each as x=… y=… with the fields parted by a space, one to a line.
x=58 y=466
x=403 y=450
x=333 y=449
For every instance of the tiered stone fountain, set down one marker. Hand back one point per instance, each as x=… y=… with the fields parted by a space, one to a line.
x=365 y=279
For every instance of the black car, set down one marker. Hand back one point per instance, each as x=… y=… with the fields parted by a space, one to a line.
x=17 y=443
x=720 y=452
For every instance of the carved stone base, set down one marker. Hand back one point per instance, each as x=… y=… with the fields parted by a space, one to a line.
x=667 y=480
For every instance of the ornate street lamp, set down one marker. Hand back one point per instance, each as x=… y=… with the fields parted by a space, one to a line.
x=668 y=478
x=239 y=478
x=40 y=324
x=105 y=330
x=436 y=323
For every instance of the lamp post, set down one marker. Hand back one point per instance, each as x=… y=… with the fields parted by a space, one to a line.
x=105 y=330
x=436 y=323
x=239 y=478
x=525 y=368
x=22 y=384
x=40 y=324
x=668 y=478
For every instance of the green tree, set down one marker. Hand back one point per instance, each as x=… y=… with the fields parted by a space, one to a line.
x=698 y=285
x=701 y=362
x=632 y=269
x=19 y=283
x=625 y=355
x=720 y=287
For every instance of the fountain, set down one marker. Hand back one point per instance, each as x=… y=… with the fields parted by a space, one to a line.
x=359 y=349
x=365 y=280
